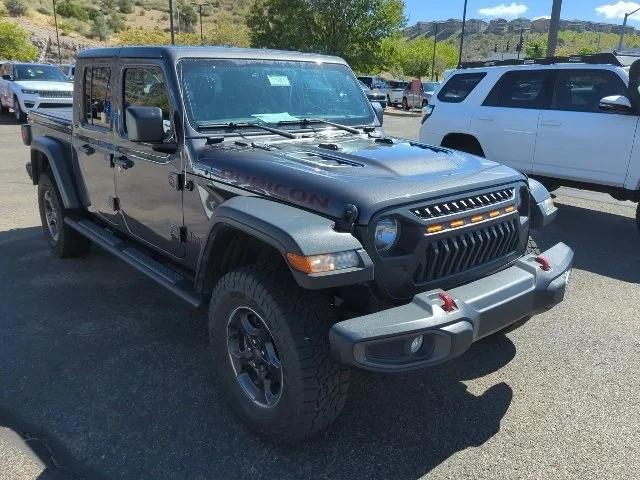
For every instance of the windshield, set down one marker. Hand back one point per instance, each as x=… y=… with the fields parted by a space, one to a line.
x=39 y=72
x=220 y=91
x=430 y=86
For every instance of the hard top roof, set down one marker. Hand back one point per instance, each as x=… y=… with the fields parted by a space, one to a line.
x=177 y=52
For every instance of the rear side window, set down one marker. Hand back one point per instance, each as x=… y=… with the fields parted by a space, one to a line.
x=459 y=87
x=97 y=97
x=582 y=90
x=522 y=89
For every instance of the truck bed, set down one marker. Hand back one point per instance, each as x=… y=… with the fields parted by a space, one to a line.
x=57 y=119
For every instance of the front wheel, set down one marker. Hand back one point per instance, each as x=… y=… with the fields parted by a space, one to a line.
x=270 y=344
x=17 y=111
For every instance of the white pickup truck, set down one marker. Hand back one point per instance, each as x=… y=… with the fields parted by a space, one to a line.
x=27 y=86
x=566 y=121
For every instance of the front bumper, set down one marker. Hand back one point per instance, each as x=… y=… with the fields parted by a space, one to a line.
x=381 y=341
x=30 y=102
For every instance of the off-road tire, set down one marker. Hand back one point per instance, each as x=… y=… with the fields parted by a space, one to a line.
x=314 y=386
x=68 y=243
x=21 y=117
x=532 y=248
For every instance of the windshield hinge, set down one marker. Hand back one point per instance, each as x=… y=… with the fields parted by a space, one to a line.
x=179 y=182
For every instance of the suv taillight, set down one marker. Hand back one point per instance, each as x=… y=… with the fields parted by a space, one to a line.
x=427 y=111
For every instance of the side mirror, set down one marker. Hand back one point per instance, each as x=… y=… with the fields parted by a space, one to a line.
x=144 y=124
x=377 y=107
x=7 y=77
x=616 y=104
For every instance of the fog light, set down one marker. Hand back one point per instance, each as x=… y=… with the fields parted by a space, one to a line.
x=416 y=344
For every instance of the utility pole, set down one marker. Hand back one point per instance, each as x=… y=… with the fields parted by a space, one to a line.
x=433 y=59
x=55 y=21
x=200 y=6
x=624 y=27
x=554 y=26
x=173 y=39
x=464 y=20
x=520 y=44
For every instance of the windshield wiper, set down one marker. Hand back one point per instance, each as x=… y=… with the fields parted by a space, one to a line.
x=233 y=125
x=309 y=121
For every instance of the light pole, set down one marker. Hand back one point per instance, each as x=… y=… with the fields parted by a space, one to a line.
x=173 y=39
x=464 y=20
x=200 y=5
x=55 y=21
x=433 y=59
x=624 y=27
x=554 y=26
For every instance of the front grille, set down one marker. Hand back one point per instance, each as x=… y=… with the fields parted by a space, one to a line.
x=54 y=94
x=464 y=204
x=448 y=256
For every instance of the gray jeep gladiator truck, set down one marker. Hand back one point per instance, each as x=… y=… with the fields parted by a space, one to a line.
x=261 y=182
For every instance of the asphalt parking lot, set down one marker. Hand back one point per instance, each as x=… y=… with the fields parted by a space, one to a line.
x=103 y=375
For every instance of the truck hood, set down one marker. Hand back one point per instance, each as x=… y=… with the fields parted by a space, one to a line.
x=44 y=85
x=327 y=174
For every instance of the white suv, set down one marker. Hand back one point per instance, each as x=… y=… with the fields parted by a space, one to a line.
x=27 y=86
x=565 y=121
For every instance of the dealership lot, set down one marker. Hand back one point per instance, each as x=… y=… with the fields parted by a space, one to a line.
x=105 y=383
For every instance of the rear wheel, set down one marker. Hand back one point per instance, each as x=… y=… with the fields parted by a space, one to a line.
x=63 y=240
x=270 y=344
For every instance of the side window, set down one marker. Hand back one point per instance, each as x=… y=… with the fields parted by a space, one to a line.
x=97 y=97
x=522 y=89
x=459 y=87
x=582 y=90
x=146 y=87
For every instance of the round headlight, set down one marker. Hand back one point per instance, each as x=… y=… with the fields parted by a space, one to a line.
x=386 y=234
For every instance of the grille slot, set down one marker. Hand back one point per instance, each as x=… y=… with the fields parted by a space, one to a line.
x=459 y=205
x=451 y=255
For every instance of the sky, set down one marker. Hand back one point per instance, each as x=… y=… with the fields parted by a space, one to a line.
x=611 y=11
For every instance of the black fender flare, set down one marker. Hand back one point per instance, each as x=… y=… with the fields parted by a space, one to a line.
x=541 y=213
x=58 y=155
x=289 y=230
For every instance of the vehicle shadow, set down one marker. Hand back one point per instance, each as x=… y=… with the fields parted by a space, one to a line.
x=8 y=119
x=604 y=243
x=114 y=374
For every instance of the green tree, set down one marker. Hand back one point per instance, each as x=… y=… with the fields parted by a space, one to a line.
x=352 y=29
x=16 y=8
x=115 y=22
x=416 y=57
x=99 y=28
x=15 y=43
x=536 y=49
x=72 y=9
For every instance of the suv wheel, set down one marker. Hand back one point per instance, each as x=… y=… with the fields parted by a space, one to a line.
x=17 y=111
x=270 y=344
x=63 y=240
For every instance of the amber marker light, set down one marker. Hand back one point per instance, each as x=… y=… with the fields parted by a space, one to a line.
x=434 y=228
x=477 y=218
x=325 y=262
x=510 y=209
x=494 y=214
x=457 y=223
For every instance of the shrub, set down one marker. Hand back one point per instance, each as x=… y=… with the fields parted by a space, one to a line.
x=16 y=8
x=99 y=28
x=125 y=6
x=43 y=10
x=71 y=9
x=15 y=43
x=115 y=22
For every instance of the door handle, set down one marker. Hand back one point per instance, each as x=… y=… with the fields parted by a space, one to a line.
x=87 y=149
x=550 y=123
x=123 y=162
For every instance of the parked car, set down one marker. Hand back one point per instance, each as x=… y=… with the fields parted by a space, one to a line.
x=27 y=86
x=320 y=244
x=397 y=92
x=417 y=94
x=374 y=96
x=376 y=84
x=568 y=121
